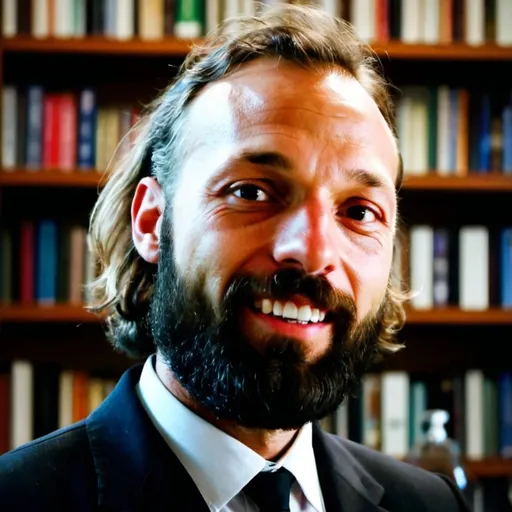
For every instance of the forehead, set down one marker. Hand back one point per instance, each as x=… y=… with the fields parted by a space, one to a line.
x=276 y=98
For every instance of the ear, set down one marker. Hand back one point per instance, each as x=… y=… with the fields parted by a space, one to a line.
x=148 y=207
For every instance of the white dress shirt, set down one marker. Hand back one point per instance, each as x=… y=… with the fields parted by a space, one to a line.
x=220 y=465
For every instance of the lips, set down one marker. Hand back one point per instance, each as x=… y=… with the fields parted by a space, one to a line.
x=291 y=311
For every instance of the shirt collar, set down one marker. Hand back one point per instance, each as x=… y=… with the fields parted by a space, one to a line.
x=220 y=465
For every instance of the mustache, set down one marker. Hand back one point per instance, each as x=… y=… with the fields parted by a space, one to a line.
x=284 y=283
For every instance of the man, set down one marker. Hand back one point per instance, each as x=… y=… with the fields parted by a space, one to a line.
x=247 y=241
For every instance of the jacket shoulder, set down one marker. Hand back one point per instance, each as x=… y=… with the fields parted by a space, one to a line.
x=53 y=471
x=405 y=484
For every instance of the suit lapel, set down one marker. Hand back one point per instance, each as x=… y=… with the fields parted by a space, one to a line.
x=136 y=469
x=346 y=485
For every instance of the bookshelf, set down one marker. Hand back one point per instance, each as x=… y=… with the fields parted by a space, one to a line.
x=93 y=178
x=466 y=338
x=171 y=46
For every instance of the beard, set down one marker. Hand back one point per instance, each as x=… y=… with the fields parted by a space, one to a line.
x=275 y=387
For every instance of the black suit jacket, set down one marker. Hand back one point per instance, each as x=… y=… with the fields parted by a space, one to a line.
x=116 y=460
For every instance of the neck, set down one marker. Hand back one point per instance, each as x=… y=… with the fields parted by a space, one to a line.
x=269 y=444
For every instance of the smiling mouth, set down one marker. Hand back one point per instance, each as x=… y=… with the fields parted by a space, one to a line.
x=291 y=312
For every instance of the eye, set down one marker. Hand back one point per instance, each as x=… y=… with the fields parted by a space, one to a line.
x=361 y=213
x=250 y=192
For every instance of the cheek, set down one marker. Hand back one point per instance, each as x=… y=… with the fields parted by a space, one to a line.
x=371 y=280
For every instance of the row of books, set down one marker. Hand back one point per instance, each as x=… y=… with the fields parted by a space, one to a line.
x=386 y=414
x=44 y=262
x=389 y=408
x=61 y=130
x=475 y=22
x=466 y=266
x=412 y=21
x=450 y=131
x=36 y=399
x=47 y=261
x=441 y=129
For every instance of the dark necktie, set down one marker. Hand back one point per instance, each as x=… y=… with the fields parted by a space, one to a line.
x=271 y=490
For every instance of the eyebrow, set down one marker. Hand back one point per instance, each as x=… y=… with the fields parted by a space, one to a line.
x=277 y=160
x=266 y=158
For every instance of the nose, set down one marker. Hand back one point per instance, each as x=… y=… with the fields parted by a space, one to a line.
x=306 y=238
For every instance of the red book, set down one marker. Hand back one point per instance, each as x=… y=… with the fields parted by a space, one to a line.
x=51 y=131
x=67 y=138
x=382 y=21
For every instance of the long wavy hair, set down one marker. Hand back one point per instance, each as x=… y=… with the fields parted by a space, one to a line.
x=304 y=35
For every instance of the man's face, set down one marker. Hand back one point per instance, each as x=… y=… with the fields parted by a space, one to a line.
x=280 y=238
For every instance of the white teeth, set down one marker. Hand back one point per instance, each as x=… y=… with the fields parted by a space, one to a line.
x=304 y=313
x=290 y=311
x=278 y=309
x=266 y=306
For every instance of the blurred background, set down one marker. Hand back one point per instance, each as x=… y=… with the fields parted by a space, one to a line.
x=75 y=75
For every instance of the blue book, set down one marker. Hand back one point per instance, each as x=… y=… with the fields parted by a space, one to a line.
x=46 y=262
x=484 y=144
x=34 y=127
x=507 y=139
x=87 y=122
x=505 y=414
x=506 y=267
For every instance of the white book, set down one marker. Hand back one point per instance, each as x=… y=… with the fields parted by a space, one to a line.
x=431 y=21
x=333 y=7
x=474 y=268
x=9 y=18
x=212 y=15
x=363 y=18
x=475 y=22
x=474 y=411
x=411 y=21
x=504 y=22
x=63 y=13
x=232 y=9
x=443 y=130
x=418 y=163
x=395 y=413
x=125 y=19
x=248 y=7
x=65 y=398
x=9 y=127
x=40 y=19
x=22 y=403
x=422 y=266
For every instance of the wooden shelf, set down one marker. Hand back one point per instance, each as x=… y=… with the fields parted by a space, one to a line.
x=492 y=182
x=50 y=178
x=455 y=316
x=62 y=313
x=489 y=468
x=98 y=45
x=180 y=47
x=91 y=178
